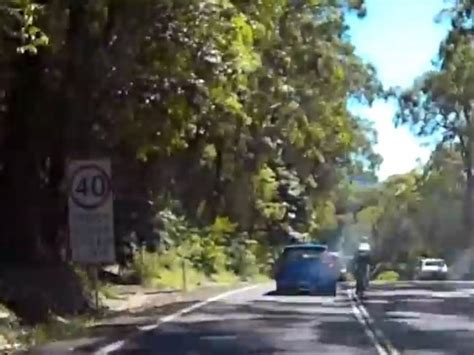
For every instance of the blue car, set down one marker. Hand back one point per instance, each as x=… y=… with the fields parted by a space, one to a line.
x=307 y=268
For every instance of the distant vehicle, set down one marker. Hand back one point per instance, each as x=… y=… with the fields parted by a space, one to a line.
x=308 y=268
x=427 y=269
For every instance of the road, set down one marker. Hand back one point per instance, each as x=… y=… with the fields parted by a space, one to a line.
x=406 y=318
x=425 y=317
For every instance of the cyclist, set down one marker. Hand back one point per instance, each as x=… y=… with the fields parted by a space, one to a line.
x=362 y=266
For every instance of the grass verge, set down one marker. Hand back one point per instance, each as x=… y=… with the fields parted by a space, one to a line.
x=56 y=329
x=388 y=276
x=109 y=291
x=165 y=271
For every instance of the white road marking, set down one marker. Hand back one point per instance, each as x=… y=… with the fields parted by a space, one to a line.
x=218 y=337
x=443 y=282
x=380 y=341
x=107 y=349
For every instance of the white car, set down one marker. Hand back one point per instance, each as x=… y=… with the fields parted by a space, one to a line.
x=431 y=269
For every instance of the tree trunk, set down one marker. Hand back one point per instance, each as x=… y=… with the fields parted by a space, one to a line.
x=31 y=206
x=468 y=149
x=470 y=203
x=20 y=205
x=217 y=191
x=469 y=206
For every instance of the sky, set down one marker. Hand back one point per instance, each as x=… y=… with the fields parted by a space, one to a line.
x=400 y=38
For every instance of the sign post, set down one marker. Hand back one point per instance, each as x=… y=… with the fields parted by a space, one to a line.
x=91 y=222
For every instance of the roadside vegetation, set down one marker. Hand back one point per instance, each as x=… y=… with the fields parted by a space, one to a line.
x=388 y=276
x=214 y=254
x=15 y=336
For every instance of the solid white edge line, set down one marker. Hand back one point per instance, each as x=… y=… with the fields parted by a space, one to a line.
x=107 y=349
x=368 y=331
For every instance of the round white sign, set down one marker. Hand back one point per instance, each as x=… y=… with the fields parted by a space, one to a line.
x=90 y=186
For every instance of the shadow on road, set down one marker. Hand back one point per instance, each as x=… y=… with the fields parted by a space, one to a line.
x=263 y=326
x=431 y=317
x=119 y=325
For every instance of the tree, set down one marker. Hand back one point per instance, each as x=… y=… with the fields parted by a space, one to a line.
x=441 y=208
x=414 y=214
x=233 y=108
x=440 y=103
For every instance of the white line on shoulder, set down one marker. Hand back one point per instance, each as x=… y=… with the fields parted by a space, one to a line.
x=107 y=349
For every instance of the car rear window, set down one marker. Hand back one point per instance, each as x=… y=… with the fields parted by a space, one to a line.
x=434 y=263
x=294 y=254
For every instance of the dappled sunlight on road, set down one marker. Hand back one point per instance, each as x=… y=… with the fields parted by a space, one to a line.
x=258 y=323
x=432 y=316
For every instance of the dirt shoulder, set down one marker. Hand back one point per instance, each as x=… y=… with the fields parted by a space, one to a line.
x=131 y=308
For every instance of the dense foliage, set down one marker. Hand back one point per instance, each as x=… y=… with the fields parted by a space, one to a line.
x=227 y=114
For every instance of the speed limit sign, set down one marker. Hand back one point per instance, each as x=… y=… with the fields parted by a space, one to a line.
x=90 y=186
x=91 y=211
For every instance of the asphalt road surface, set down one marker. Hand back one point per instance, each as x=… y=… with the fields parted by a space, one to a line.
x=402 y=318
x=425 y=317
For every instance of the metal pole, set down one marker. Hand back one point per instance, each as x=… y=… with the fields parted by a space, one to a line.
x=95 y=272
